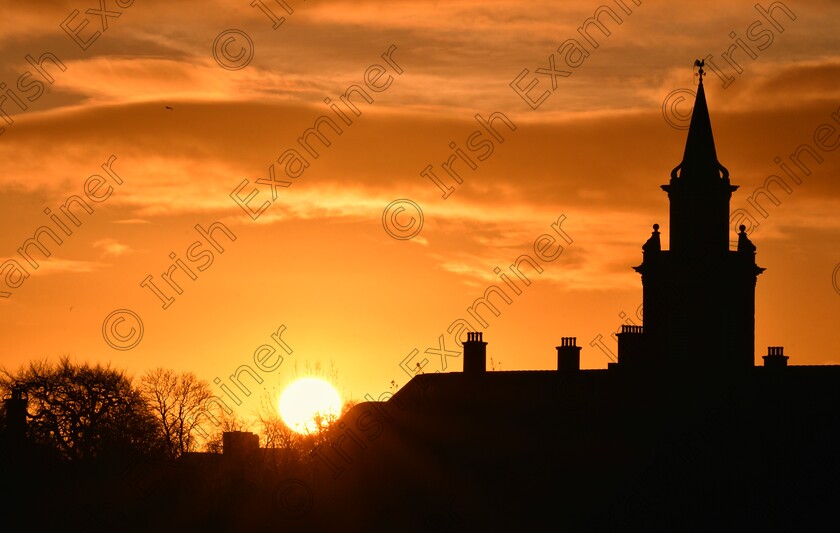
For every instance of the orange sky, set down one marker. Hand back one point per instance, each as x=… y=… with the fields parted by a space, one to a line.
x=317 y=260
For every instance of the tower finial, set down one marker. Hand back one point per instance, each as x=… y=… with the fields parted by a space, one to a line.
x=700 y=63
x=653 y=244
x=699 y=158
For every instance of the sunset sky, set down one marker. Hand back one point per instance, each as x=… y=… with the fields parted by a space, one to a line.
x=589 y=151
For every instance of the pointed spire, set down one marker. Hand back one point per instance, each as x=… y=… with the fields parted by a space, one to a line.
x=700 y=158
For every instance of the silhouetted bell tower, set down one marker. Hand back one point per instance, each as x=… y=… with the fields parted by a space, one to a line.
x=699 y=296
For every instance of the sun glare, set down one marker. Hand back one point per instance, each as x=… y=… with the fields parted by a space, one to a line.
x=306 y=401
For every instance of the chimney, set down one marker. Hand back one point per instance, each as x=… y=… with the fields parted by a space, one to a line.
x=239 y=444
x=775 y=357
x=568 y=354
x=16 y=413
x=475 y=354
x=631 y=347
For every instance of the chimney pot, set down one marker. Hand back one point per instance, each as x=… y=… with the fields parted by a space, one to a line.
x=775 y=357
x=475 y=353
x=568 y=354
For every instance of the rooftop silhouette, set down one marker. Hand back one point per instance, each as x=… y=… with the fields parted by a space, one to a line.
x=683 y=432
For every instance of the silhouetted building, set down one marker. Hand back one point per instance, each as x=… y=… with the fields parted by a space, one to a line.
x=239 y=444
x=699 y=296
x=683 y=433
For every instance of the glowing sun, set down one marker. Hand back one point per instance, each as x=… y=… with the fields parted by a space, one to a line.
x=306 y=401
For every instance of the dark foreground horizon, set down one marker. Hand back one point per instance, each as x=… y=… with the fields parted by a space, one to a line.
x=683 y=432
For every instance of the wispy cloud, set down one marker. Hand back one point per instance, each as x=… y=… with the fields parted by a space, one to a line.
x=110 y=247
x=52 y=265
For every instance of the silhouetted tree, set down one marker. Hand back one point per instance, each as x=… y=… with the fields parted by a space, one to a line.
x=288 y=446
x=274 y=431
x=84 y=411
x=176 y=399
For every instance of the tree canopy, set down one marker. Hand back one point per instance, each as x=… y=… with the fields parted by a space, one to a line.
x=176 y=399
x=84 y=411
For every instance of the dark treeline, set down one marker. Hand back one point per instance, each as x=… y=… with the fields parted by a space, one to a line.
x=87 y=447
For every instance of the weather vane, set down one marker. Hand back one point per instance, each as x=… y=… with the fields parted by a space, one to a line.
x=700 y=63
